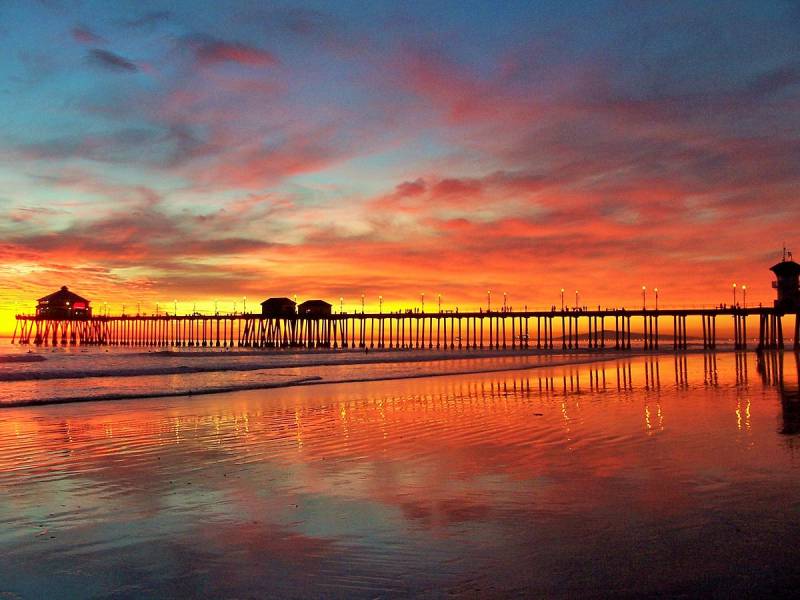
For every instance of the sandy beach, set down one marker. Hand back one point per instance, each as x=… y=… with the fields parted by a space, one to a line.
x=657 y=475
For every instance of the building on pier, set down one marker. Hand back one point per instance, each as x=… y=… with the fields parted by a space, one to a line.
x=283 y=308
x=63 y=304
x=314 y=308
x=787 y=284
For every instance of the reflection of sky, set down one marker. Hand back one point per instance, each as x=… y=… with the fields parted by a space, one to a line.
x=193 y=151
x=404 y=486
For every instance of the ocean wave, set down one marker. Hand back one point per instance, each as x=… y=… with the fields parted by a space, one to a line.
x=356 y=377
x=137 y=372
x=22 y=358
x=158 y=393
x=228 y=362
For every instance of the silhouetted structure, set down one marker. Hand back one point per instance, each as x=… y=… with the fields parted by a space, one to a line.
x=314 y=325
x=787 y=273
x=278 y=307
x=314 y=308
x=63 y=304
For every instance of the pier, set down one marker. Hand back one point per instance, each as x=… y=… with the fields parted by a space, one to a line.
x=618 y=329
x=65 y=318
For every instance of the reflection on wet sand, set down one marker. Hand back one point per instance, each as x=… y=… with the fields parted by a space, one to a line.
x=782 y=371
x=651 y=475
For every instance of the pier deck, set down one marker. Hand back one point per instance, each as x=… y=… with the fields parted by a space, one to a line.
x=565 y=329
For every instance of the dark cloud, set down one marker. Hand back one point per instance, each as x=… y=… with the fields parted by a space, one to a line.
x=113 y=147
x=110 y=61
x=774 y=81
x=303 y=21
x=328 y=31
x=25 y=214
x=142 y=234
x=149 y=19
x=144 y=146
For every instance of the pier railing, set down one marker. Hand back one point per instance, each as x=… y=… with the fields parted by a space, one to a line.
x=546 y=330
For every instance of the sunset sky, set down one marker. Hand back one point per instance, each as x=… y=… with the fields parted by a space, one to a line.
x=193 y=151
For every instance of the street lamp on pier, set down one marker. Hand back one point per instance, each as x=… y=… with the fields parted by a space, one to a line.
x=489 y=301
x=734 y=295
x=380 y=304
x=656 y=291
x=341 y=305
x=174 y=307
x=244 y=300
x=576 y=299
x=422 y=295
x=216 y=311
x=505 y=301
x=562 y=299
x=644 y=298
x=439 y=298
x=744 y=295
x=362 y=304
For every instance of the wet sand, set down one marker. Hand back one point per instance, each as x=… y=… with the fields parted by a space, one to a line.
x=643 y=476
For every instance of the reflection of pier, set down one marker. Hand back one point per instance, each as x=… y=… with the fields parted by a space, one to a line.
x=620 y=375
x=544 y=330
x=786 y=378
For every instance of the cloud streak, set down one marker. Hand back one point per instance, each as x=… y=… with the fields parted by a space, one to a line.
x=84 y=35
x=209 y=51
x=107 y=60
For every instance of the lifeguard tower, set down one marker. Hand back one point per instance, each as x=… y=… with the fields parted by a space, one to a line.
x=787 y=284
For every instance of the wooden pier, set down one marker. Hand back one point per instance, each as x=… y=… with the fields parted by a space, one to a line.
x=541 y=330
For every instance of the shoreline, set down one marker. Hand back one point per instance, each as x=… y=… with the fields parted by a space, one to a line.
x=577 y=358
x=328 y=358
x=334 y=358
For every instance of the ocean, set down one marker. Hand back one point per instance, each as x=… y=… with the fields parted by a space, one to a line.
x=69 y=374
x=502 y=475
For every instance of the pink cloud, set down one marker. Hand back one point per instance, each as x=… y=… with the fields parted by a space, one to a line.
x=209 y=51
x=84 y=35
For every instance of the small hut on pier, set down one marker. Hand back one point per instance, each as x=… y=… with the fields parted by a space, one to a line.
x=63 y=304
x=787 y=273
x=282 y=308
x=314 y=308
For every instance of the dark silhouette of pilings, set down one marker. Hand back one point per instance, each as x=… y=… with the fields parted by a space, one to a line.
x=496 y=330
x=771 y=332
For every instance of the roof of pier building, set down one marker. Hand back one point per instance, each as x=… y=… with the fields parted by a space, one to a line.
x=786 y=268
x=278 y=302
x=63 y=297
x=316 y=303
x=314 y=306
